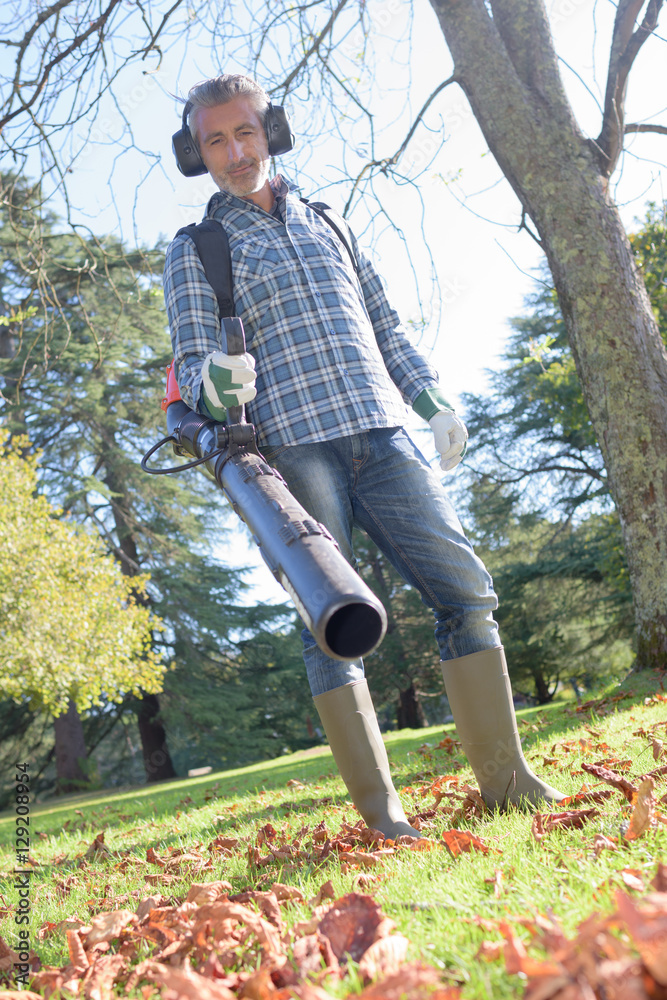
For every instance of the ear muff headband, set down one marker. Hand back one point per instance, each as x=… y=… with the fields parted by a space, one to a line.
x=278 y=133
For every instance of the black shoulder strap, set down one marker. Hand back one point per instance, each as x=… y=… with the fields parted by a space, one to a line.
x=212 y=245
x=338 y=224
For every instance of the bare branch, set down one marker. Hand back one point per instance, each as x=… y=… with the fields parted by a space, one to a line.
x=390 y=161
x=95 y=27
x=314 y=48
x=662 y=129
x=625 y=46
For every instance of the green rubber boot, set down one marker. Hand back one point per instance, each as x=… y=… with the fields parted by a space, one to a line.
x=351 y=727
x=480 y=697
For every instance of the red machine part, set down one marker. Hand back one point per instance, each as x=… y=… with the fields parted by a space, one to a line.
x=173 y=395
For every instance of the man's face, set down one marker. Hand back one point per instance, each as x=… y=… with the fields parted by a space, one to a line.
x=233 y=146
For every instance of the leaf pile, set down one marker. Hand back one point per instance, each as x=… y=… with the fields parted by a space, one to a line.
x=220 y=946
x=623 y=955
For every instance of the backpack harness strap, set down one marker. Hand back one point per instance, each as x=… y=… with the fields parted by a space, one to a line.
x=212 y=245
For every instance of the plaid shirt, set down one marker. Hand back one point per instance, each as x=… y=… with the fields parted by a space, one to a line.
x=332 y=357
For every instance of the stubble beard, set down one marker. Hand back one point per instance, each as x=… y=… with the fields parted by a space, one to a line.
x=247 y=184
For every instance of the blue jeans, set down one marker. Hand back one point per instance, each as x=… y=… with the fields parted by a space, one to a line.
x=379 y=481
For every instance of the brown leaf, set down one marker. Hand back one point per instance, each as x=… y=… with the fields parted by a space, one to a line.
x=259 y=986
x=490 y=950
x=658 y=748
x=643 y=812
x=287 y=893
x=101 y=977
x=219 y=914
x=415 y=981
x=648 y=929
x=223 y=845
x=308 y=953
x=185 y=984
x=587 y=795
x=351 y=925
x=154 y=859
x=611 y=778
x=518 y=960
x=633 y=878
x=19 y=995
x=384 y=957
x=602 y=843
x=266 y=901
x=496 y=880
x=77 y=954
x=147 y=904
x=460 y=841
x=326 y=891
x=98 y=848
x=207 y=892
x=659 y=882
x=106 y=926
x=544 y=823
x=266 y=834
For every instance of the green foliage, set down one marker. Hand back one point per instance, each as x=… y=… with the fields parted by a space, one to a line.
x=70 y=624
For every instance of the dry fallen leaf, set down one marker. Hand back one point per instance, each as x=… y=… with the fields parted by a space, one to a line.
x=643 y=812
x=77 y=954
x=106 y=926
x=603 y=773
x=633 y=879
x=544 y=823
x=460 y=841
x=648 y=929
x=602 y=843
x=415 y=981
x=384 y=957
x=207 y=892
x=352 y=924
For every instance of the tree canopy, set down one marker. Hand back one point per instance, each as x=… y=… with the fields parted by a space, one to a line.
x=71 y=627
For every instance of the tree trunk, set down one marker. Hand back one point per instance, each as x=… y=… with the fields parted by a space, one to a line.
x=409 y=712
x=542 y=692
x=505 y=62
x=157 y=760
x=70 y=751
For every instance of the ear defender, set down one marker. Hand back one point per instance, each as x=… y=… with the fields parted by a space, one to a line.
x=278 y=133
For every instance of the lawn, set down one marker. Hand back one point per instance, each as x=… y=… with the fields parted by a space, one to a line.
x=261 y=882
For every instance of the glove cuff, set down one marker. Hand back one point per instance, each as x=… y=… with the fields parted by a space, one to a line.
x=207 y=409
x=429 y=402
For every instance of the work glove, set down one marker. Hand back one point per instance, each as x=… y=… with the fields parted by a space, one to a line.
x=451 y=436
x=227 y=380
x=449 y=430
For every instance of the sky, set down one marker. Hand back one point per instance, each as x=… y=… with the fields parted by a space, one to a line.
x=485 y=266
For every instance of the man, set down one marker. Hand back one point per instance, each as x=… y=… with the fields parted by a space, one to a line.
x=326 y=376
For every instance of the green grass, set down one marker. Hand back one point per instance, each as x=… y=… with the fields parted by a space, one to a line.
x=446 y=907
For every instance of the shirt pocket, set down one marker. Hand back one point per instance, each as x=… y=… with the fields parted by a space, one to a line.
x=256 y=258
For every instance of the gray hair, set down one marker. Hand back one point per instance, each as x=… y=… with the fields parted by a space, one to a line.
x=221 y=90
